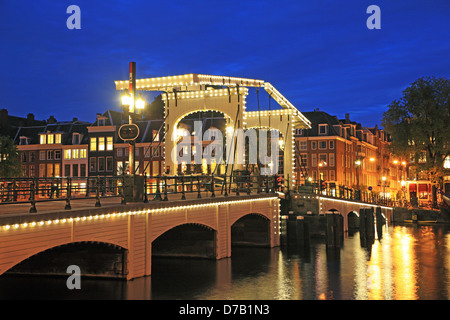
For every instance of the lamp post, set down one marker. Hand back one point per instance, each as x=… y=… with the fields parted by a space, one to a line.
x=129 y=100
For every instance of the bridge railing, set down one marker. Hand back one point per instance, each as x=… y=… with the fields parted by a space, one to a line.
x=345 y=193
x=163 y=188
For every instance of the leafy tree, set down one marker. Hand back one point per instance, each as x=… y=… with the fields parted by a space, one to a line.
x=419 y=123
x=9 y=159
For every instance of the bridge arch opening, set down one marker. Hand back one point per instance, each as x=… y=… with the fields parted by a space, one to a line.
x=187 y=240
x=353 y=220
x=95 y=259
x=251 y=230
x=210 y=122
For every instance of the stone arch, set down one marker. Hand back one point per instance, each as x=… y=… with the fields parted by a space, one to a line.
x=94 y=258
x=251 y=229
x=353 y=220
x=186 y=240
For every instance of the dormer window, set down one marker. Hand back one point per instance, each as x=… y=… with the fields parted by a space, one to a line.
x=23 y=141
x=323 y=129
x=76 y=138
x=50 y=138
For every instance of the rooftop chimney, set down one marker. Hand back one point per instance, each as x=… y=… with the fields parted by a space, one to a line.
x=3 y=118
x=51 y=119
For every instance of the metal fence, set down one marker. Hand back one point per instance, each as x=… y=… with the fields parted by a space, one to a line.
x=345 y=193
x=157 y=188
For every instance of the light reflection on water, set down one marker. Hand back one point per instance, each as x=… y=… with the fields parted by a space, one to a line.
x=407 y=263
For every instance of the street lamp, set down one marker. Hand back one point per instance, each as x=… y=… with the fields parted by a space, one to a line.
x=129 y=100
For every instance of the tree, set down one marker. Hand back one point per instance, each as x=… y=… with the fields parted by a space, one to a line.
x=9 y=159
x=419 y=124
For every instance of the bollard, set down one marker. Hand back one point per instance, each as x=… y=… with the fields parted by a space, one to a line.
x=32 y=197
x=199 y=196
x=183 y=196
x=213 y=195
x=366 y=227
x=97 y=193
x=379 y=223
x=334 y=230
x=69 y=194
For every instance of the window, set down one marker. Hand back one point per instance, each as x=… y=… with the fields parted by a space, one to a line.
x=31 y=156
x=331 y=155
x=42 y=170
x=67 y=170
x=304 y=159
x=43 y=139
x=101 y=143
x=323 y=159
x=75 y=170
x=155 y=135
x=323 y=129
x=23 y=141
x=23 y=157
x=314 y=160
x=92 y=164
x=32 y=170
x=101 y=164
x=93 y=144
x=76 y=138
x=41 y=156
x=447 y=162
x=57 y=172
x=137 y=152
x=109 y=164
x=50 y=155
x=313 y=145
x=50 y=139
x=75 y=153
x=303 y=145
x=57 y=154
x=82 y=153
x=67 y=154
x=58 y=138
x=82 y=170
x=322 y=144
x=331 y=144
x=109 y=143
x=120 y=152
x=50 y=170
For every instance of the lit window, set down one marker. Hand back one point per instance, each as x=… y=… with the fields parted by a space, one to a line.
x=68 y=154
x=43 y=139
x=109 y=143
x=93 y=144
x=75 y=153
x=83 y=154
x=447 y=162
x=58 y=138
x=101 y=143
x=50 y=138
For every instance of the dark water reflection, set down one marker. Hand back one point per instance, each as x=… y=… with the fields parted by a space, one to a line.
x=408 y=263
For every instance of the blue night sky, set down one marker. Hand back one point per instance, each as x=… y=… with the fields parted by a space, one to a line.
x=319 y=54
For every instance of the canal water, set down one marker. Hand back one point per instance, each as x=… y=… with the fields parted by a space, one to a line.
x=409 y=262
